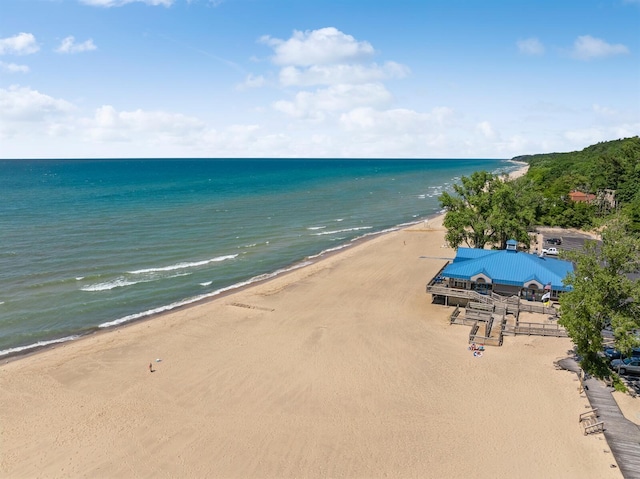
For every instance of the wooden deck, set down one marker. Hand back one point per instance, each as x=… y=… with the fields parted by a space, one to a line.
x=622 y=435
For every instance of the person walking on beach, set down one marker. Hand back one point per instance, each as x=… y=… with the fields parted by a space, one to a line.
x=150 y=367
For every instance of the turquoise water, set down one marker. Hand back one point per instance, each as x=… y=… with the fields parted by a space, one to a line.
x=94 y=243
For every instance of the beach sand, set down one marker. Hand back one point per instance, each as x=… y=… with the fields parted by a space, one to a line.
x=340 y=369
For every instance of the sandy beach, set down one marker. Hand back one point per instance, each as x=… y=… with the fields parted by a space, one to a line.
x=340 y=369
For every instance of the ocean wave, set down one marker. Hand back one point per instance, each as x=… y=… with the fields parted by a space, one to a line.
x=39 y=344
x=116 y=283
x=206 y=283
x=329 y=250
x=122 y=282
x=313 y=228
x=184 y=265
x=357 y=228
x=178 y=304
x=381 y=232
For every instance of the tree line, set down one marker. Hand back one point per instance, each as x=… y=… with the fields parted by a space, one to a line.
x=485 y=210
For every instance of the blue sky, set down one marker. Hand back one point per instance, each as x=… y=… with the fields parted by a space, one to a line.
x=310 y=78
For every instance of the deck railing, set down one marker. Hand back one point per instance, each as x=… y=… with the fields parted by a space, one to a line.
x=510 y=304
x=538 y=308
x=536 y=329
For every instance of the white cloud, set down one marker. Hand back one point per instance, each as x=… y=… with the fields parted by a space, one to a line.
x=397 y=133
x=587 y=47
x=27 y=113
x=398 y=121
x=336 y=98
x=530 y=46
x=325 y=46
x=13 y=68
x=332 y=61
x=252 y=81
x=69 y=45
x=487 y=130
x=24 y=104
x=340 y=74
x=585 y=136
x=20 y=44
x=605 y=111
x=111 y=125
x=119 y=3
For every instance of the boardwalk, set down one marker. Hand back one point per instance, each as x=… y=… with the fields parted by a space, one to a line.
x=622 y=435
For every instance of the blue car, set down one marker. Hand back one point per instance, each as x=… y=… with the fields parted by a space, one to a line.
x=612 y=353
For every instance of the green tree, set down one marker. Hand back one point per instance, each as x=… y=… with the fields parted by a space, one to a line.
x=603 y=294
x=468 y=211
x=486 y=210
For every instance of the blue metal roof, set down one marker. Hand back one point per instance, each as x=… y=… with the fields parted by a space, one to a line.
x=514 y=268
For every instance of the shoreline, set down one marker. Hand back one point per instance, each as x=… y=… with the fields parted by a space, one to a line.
x=34 y=348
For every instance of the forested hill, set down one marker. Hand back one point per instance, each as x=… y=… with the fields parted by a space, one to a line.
x=627 y=147
x=611 y=165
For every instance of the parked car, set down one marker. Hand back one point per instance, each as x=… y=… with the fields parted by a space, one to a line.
x=627 y=365
x=550 y=251
x=612 y=353
x=556 y=241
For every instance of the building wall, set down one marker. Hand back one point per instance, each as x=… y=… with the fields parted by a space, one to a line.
x=506 y=290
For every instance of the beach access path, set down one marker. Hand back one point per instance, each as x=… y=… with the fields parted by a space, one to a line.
x=343 y=368
x=623 y=436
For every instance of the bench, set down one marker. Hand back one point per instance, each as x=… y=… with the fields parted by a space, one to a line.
x=590 y=422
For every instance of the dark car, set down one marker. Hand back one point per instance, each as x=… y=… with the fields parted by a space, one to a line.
x=628 y=365
x=612 y=353
x=557 y=241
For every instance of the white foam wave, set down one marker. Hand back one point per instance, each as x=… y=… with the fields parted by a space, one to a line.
x=313 y=228
x=121 y=282
x=358 y=228
x=201 y=297
x=184 y=265
x=329 y=250
x=206 y=283
x=79 y=278
x=39 y=344
x=116 y=283
x=375 y=233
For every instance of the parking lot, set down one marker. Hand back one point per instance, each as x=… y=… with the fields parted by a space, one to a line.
x=570 y=240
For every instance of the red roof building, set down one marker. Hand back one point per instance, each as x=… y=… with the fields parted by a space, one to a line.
x=580 y=197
